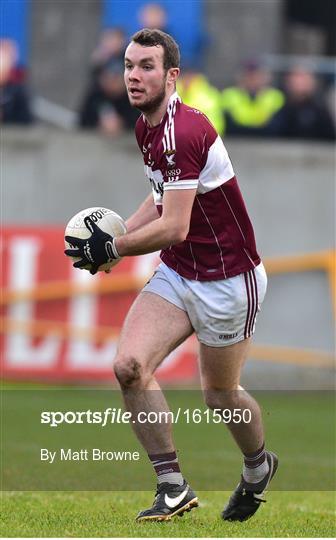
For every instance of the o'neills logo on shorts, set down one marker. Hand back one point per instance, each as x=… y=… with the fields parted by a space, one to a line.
x=228 y=336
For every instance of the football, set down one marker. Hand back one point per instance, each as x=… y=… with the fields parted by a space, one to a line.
x=108 y=221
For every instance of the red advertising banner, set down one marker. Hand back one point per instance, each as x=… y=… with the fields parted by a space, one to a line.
x=62 y=324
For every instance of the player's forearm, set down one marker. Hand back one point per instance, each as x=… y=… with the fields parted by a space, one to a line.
x=154 y=236
x=146 y=213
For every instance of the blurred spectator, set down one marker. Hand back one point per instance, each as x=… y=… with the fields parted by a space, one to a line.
x=111 y=46
x=14 y=103
x=195 y=90
x=250 y=106
x=305 y=114
x=331 y=101
x=106 y=106
x=153 y=16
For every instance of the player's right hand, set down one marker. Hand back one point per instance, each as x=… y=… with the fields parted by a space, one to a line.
x=94 y=251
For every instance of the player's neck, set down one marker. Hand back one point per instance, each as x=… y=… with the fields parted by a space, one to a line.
x=154 y=118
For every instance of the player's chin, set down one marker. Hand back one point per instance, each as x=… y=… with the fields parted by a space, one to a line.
x=135 y=99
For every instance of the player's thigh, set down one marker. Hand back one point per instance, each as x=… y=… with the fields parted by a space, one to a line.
x=220 y=367
x=152 y=329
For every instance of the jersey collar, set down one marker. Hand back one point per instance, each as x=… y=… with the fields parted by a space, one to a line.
x=173 y=98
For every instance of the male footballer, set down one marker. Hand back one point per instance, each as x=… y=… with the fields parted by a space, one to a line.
x=211 y=280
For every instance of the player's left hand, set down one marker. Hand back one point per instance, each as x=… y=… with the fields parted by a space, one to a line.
x=96 y=250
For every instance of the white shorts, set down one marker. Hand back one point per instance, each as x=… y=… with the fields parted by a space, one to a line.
x=222 y=312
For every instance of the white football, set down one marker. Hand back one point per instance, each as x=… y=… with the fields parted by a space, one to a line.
x=107 y=220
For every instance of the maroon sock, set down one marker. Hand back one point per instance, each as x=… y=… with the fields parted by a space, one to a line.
x=254 y=459
x=167 y=468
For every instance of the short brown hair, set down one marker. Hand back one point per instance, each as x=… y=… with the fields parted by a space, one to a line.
x=149 y=38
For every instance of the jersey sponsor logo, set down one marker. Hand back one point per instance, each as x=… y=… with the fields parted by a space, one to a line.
x=157 y=186
x=144 y=149
x=150 y=160
x=156 y=180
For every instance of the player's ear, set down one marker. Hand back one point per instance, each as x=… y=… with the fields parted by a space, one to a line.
x=173 y=74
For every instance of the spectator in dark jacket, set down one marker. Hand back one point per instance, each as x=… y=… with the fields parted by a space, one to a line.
x=106 y=107
x=14 y=103
x=305 y=114
x=111 y=46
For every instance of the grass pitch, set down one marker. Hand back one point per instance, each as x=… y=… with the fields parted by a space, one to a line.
x=299 y=427
x=103 y=514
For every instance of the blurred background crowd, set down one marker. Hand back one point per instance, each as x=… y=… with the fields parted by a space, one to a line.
x=279 y=85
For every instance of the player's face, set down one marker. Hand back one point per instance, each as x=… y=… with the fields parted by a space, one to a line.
x=145 y=77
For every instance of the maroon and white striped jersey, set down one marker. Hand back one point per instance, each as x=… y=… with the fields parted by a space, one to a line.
x=184 y=151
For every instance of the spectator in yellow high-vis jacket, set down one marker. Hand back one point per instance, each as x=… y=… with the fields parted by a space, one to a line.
x=250 y=106
x=195 y=90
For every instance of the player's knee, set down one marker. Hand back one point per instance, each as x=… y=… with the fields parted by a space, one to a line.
x=128 y=371
x=221 y=399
